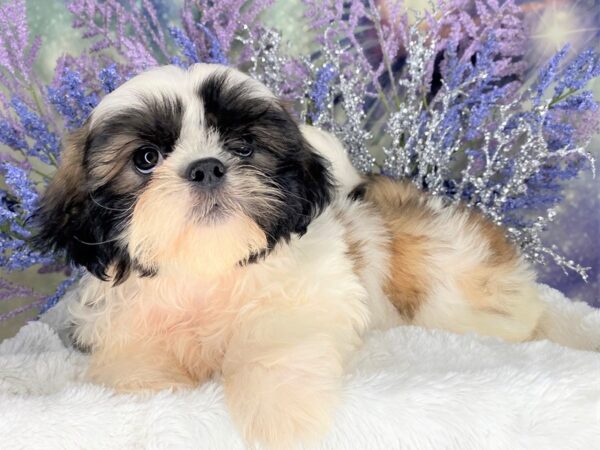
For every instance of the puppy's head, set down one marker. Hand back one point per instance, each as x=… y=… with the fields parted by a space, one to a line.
x=195 y=171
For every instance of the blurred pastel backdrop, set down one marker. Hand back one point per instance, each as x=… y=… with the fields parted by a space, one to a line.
x=553 y=23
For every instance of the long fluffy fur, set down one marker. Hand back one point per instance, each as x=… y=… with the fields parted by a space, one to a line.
x=275 y=290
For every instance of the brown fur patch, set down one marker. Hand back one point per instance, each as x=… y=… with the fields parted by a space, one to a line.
x=355 y=247
x=67 y=184
x=407 y=214
x=406 y=286
x=400 y=204
x=355 y=253
x=71 y=178
x=502 y=251
x=109 y=164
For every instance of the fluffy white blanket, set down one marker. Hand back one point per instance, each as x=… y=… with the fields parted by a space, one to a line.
x=408 y=388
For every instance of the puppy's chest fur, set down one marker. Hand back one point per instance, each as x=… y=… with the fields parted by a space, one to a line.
x=340 y=264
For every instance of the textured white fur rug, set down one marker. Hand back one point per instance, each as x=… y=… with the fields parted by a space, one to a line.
x=409 y=388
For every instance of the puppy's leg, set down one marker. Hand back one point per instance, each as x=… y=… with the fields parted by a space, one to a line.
x=282 y=374
x=131 y=348
x=137 y=366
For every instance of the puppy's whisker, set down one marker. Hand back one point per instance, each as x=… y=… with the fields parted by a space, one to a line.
x=108 y=208
x=95 y=243
x=286 y=193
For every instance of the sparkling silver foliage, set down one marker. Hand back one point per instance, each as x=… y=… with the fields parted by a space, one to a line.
x=346 y=118
x=412 y=146
x=267 y=59
x=420 y=157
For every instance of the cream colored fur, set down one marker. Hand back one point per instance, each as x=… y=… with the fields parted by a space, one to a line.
x=278 y=331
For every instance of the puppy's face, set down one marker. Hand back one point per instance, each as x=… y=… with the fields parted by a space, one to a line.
x=178 y=171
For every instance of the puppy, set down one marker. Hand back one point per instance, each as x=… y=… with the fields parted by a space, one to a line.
x=222 y=239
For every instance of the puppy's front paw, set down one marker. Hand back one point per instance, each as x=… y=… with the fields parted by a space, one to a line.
x=281 y=407
x=128 y=384
x=133 y=375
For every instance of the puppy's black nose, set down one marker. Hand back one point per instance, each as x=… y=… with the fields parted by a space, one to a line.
x=208 y=173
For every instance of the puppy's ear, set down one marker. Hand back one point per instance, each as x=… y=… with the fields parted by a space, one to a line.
x=315 y=185
x=68 y=220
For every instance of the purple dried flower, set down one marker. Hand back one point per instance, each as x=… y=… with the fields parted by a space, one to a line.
x=8 y=206
x=587 y=125
x=17 y=180
x=62 y=288
x=578 y=72
x=583 y=101
x=559 y=134
x=55 y=266
x=220 y=22
x=177 y=61
x=185 y=44
x=471 y=23
x=129 y=27
x=22 y=257
x=11 y=136
x=320 y=90
x=471 y=111
x=548 y=74
x=86 y=66
x=544 y=188
x=10 y=290
x=70 y=99
x=46 y=143
x=16 y=55
x=110 y=78
x=20 y=310
x=137 y=55
x=215 y=54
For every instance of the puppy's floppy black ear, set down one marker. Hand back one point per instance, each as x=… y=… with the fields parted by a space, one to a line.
x=67 y=219
x=315 y=185
x=306 y=174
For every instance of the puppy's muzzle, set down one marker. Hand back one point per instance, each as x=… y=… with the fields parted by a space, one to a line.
x=207 y=173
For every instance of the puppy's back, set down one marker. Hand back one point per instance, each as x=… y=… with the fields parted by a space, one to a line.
x=452 y=268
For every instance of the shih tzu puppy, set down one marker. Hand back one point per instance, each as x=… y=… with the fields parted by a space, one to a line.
x=223 y=239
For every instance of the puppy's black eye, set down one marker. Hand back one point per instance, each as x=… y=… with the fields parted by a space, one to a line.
x=147 y=158
x=244 y=150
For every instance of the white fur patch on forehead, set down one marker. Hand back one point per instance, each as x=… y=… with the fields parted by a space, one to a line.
x=170 y=81
x=165 y=81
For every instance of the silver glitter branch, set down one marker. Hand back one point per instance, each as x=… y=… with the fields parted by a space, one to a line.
x=416 y=153
x=347 y=117
x=412 y=128
x=267 y=58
